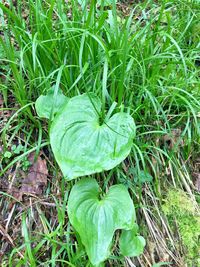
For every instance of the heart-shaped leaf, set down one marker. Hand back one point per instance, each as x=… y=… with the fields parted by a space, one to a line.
x=96 y=218
x=48 y=105
x=81 y=145
x=131 y=245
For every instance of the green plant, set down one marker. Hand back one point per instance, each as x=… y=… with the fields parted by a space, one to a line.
x=17 y=149
x=7 y=155
x=96 y=217
x=162 y=264
x=147 y=61
x=48 y=105
x=179 y=207
x=131 y=244
x=84 y=143
x=99 y=2
x=140 y=176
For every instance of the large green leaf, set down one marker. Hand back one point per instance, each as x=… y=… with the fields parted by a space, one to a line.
x=48 y=105
x=131 y=244
x=81 y=145
x=96 y=218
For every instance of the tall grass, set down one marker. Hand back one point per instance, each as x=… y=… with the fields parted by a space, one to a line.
x=147 y=62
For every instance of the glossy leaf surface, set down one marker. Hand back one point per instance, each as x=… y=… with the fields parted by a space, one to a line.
x=131 y=244
x=81 y=145
x=96 y=219
x=48 y=105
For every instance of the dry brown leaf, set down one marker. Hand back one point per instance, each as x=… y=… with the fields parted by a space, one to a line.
x=32 y=183
x=36 y=179
x=173 y=139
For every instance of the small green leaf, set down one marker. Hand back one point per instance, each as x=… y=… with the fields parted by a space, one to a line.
x=13 y=147
x=96 y=218
x=140 y=176
x=82 y=145
x=131 y=245
x=7 y=154
x=48 y=105
x=17 y=149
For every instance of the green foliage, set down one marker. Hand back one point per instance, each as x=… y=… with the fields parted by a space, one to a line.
x=17 y=149
x=99 y=2
x=48 y=105
x=162 y=264
x=7 y=154
x=83 y=144
x=25 y=164
x=179 y=206
x=96 y=217
x=148 y=61
x=140 y=176
x=131 y=244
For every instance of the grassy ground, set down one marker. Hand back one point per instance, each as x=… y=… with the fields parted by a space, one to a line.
x=146 y=57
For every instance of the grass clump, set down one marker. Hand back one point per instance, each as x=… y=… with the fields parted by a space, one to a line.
x=182 y=213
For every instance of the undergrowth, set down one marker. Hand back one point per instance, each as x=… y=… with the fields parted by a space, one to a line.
x=147 y=60
x=183 y=214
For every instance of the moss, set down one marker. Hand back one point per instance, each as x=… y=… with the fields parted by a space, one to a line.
x=178 y=206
